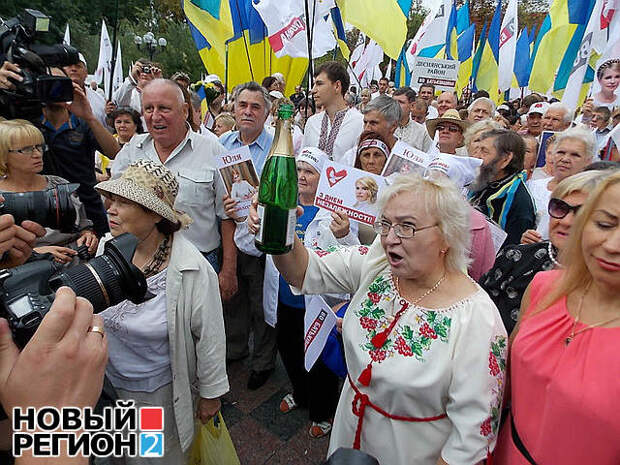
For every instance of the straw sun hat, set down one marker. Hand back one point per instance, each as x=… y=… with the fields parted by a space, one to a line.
x=450 y=116
x=151 y=185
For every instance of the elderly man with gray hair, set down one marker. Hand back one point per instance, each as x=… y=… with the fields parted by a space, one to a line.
x=382 y=115
x=558 y=117
x=481 y=108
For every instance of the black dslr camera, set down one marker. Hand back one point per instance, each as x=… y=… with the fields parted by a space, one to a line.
x=17 y=36
x=52 y=208
x=27 y=291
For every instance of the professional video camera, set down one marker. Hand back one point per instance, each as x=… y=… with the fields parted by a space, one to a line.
x=27 y=291
x=17 y=36
x=52 y=208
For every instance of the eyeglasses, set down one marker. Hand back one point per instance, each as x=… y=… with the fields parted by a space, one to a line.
x=558 y=209
x=404 y=231
x=453 y=129
x=30 y=149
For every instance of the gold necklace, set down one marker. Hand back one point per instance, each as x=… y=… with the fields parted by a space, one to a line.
x=573 y=333
x=430 y=291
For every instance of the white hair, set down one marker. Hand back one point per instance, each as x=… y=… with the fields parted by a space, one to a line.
x=487 y=101
x=568 y=114
x=581 y=134
x=441 y=198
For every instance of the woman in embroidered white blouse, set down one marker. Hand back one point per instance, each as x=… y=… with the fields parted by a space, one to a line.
x=425 y=346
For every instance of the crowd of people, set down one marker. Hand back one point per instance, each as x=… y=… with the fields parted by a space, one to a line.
x=478 y=318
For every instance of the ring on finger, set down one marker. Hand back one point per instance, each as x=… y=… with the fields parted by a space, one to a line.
x=97 y=329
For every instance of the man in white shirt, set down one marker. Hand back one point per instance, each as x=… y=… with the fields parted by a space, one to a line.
x=191 y=157
x=427 y=93
x=446 y=101
x=336 y=129
x=130 y=92
x=558 y=117
x=78 y=73
x=409 y=131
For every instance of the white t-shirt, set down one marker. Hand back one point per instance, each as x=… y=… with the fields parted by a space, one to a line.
x=541 y=195
x=348 y=135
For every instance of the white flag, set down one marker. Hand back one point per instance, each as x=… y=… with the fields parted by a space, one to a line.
x=602 y=21
x=388 y=71
x=67 y=38
x=117 y=80
x=104 y=66
x=356 y=54
x=507 y=46
x=432 y=32
x=365 y=66
x=287 y=27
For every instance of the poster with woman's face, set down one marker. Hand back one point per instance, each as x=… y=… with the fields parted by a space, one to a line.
x=239 y=176
x=606 y=85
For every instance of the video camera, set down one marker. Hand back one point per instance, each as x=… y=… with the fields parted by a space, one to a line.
x=17 y=36
x=52 y=208
x=27 y=291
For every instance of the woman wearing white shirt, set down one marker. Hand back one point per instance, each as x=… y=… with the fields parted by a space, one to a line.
x=424 y=345
x=574 y=149
x=170 y=350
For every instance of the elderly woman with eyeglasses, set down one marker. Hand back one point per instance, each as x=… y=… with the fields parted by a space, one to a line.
x=516 y=265
x=424 y=345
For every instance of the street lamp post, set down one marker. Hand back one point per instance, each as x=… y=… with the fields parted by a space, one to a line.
x=151 y=45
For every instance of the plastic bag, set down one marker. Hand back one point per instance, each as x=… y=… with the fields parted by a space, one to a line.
x=212 y=444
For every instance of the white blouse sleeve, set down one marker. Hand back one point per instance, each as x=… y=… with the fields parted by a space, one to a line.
x=338 y=271
x=477 y=386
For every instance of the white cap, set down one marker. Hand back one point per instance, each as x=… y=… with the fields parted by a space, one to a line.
x=82 y=59
x=276 y=94
x=503 y=106
x=212 y=78
x=313 y=156
x=538 y=107
x=461 y=170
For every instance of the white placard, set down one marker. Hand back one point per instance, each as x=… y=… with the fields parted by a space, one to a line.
x=318 y=322
x=404 y=159
x=237 y=171
x=350 y=190
x=498 y=235
x=440 y=73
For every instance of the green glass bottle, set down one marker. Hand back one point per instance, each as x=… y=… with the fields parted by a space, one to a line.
x=277 y=192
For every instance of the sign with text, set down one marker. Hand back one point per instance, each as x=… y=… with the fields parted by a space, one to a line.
x=350 y=190
x=440 y=73
x=404 y=159
x=237 y=171
x=318 y=323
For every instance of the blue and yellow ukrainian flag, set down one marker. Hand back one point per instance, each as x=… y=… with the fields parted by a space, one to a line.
x=566 y=20
x=402 y=74
x=487 y=77
x=466 y=57
x=244 y=34
x=387 y=27
x=462 y=18
x=451 y=35
x=340 y=33
x=478 y=55
x=522 y=59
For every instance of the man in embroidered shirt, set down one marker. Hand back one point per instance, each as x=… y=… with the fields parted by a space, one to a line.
x=244 y=312
x=336 y=129
x=409 y=131
x=191 y=157
x=499 y=191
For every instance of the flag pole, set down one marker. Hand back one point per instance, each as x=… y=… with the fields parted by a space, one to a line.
x=309 y=29
x=245 y=43
x=226 y=76
x=114 y=50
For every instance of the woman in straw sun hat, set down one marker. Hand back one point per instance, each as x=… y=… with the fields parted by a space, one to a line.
x=173 y=345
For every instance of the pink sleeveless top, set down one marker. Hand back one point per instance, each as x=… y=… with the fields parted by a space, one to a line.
x=565 y=398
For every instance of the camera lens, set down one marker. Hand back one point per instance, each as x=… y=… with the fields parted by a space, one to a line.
x=108 y=279
x=52 y=208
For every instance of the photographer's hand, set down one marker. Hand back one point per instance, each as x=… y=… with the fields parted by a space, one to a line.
x=80 y=106
x=62 y=255
x=90 y=240
x=16 y=242
x=9 y=71
x=62 y=365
